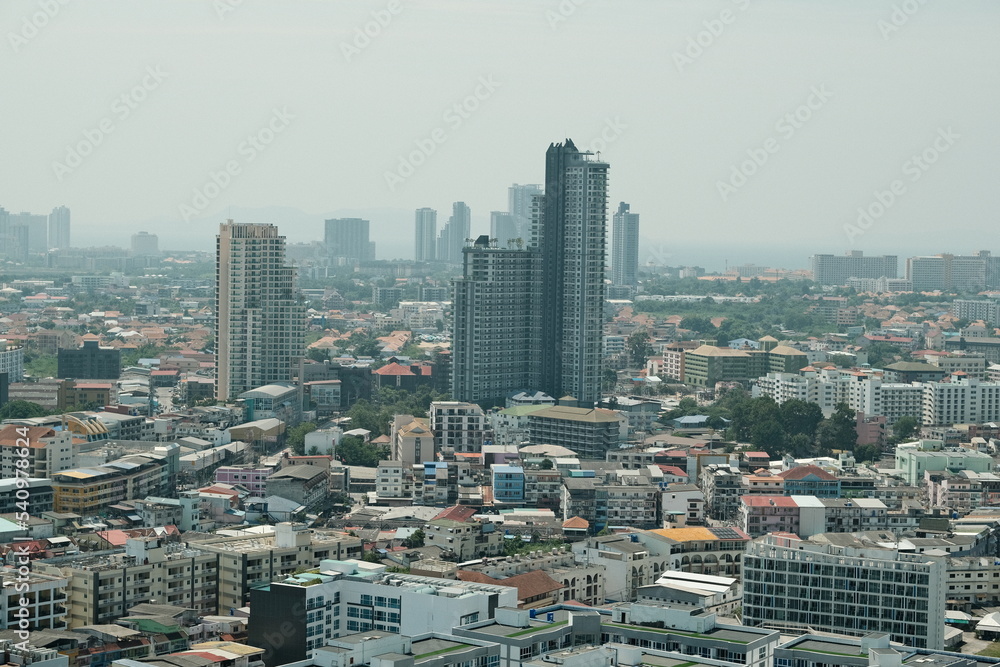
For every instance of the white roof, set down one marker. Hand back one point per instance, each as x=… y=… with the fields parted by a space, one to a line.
x=990 y=622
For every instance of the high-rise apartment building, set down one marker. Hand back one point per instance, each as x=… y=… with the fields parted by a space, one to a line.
x=145 y=244
x=572 y=235
x=453 y=235
x=59 y=228
x=425 y=235
x=347 y=240
x=497 y=327
x=260 y=319
x=520 y=199
x=625 y=247
x=35 y=230
x=531 y=318
x=947 y=272
x=504 y=228
x=836 y=270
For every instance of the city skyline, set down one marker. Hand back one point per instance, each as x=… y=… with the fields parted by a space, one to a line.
x=819 y=129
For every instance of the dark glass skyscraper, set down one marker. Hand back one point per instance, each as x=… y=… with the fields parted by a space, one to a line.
x=544 y=302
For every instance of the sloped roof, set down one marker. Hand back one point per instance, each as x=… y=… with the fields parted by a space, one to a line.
x=461 y=513
x=576 y=523
x=529 y=584
x=801 y=472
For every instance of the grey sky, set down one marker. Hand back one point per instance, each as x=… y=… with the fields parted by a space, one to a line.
x=544 y=70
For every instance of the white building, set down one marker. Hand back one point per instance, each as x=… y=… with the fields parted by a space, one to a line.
x=11 y=360
x=460 y=427
x=853 y=587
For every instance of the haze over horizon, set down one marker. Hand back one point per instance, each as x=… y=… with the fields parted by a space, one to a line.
x=820 y=107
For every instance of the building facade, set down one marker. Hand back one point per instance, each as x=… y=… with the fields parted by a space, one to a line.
x=625 y=247
x=425 y=235
x=857 y=589
x=259 y=317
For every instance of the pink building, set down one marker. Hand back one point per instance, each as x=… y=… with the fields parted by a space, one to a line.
x=253 y=479
x=760 y=515
x=871 y=430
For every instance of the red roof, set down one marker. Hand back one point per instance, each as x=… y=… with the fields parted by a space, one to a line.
x=460 y=513
x=757 y=455
x=672 y=470
x=529 y=585
x=14 y=435
x=394 y=369
x=801 y=472
x=576 y=523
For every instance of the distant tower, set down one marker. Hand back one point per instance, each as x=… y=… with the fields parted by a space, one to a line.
x=260 y=320
x=59 y=228
x=452 y=238
x=503 y=227
x=31 y=231
x=425 y=237
x=347 y=239
x=145 y=244
x=519 y=205
x=625 y=247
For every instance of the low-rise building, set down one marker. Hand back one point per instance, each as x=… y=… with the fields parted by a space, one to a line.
x=463 y=540
x=304 y=484
x=45 y=450
x=104 y=585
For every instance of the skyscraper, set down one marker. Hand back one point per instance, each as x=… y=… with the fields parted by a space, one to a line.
x=456 y=230
x=425 y=235
x=572 y=234
x=625 y=247
x=260 y=319
x=497 y=335
x=503 y=227
x=531 y=318
x=145 y=244
x=519 y=202
x=347 y=241
x=32 y=227
x=59 y=228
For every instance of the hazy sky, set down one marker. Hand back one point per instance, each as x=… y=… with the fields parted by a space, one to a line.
x=160 y=95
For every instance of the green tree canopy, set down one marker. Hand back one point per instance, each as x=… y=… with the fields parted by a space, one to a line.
x=22 y=410
x=297 y=437
x=905 y=428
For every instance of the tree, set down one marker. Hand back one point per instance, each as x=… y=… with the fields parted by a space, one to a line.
x=354 y=451
x=546 y=464
x=639 y=348
x=317 y=354
x=297 y=437
x=865 y=453
x=769 y=436
x=906 y=427
x=697 y=323
x=22 y=410
x=800 y=417
x=839 y=431
x=415 y=540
